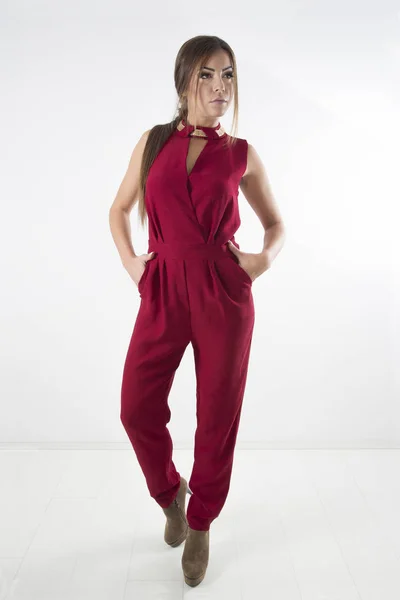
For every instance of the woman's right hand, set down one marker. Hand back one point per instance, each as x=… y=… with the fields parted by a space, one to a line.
x=136 y=266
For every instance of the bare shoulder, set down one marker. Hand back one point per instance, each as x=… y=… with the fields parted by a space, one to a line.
x=257 y=189
x=129 y=188
x=137 y=152
x=254 y=162
x=144 y=137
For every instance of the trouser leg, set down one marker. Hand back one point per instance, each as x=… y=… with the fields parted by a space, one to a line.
x=221 y=358
x=155 y=351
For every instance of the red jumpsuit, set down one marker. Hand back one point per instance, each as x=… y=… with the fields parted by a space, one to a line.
x=193 y=290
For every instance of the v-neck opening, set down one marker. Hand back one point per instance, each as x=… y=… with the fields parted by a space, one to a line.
x=197 y=159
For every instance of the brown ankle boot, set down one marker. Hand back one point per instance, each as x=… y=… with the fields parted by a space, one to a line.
x=176 y=526
x=195 y=556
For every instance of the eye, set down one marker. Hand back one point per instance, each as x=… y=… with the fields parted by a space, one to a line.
x=230 y=75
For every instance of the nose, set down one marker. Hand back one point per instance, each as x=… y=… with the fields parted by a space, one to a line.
x=221 y=85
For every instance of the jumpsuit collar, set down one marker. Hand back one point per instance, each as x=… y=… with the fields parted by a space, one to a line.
x=185 y=130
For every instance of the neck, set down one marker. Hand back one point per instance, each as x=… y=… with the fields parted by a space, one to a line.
x=202 y=122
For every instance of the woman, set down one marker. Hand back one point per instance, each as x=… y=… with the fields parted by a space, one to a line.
x=195 y=286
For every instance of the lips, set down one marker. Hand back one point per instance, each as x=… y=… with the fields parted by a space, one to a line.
x=218 y=100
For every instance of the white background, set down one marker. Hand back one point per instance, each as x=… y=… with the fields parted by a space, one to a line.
x=319 y=96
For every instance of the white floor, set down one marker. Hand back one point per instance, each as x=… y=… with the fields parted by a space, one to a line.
x=297 y=525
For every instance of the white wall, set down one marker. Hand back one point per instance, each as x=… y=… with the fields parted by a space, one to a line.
x=319 y=100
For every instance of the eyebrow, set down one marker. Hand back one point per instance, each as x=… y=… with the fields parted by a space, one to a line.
x=210 y=69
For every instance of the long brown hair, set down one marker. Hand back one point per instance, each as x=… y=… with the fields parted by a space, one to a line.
x=192 y=55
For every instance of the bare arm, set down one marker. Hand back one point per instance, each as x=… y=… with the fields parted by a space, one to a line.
x=127 y=196
x=257 y=191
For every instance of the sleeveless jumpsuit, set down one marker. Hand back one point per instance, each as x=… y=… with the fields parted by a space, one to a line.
x=193 y=290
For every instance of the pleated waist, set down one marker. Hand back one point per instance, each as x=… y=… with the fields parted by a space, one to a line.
x=186 y=250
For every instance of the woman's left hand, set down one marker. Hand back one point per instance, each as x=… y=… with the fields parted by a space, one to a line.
x=253 y=263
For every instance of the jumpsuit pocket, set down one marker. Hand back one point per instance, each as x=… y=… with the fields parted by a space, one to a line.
x=142 y=278
x=243 y=272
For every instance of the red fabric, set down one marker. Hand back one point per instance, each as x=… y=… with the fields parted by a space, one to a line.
x=193 y=291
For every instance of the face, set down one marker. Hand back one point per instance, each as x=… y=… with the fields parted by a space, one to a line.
x=215 y=82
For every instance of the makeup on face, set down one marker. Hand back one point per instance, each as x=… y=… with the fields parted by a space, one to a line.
x=206 y=73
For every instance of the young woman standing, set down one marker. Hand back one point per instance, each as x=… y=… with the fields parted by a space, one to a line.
x=195 y=286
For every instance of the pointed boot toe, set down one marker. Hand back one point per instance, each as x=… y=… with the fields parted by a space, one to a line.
x=176 y=526
x=195 y=556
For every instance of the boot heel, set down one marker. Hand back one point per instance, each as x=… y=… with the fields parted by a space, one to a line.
x=195 y=556
x=193 y=582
